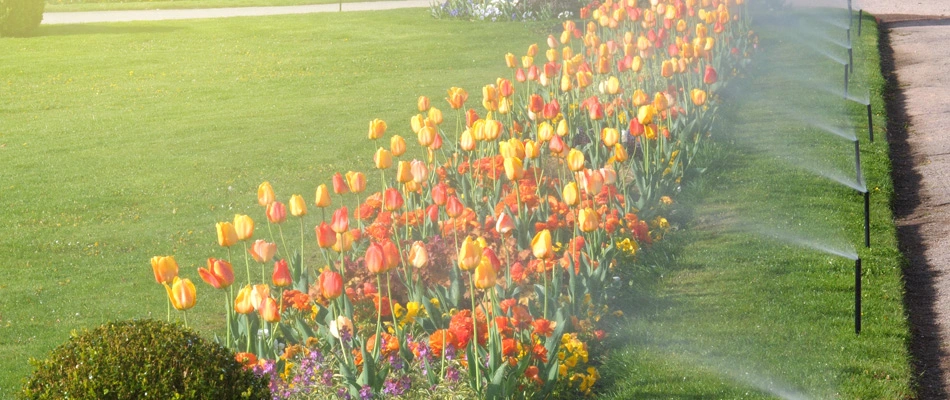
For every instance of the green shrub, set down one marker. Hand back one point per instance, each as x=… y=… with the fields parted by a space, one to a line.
x=20 y=17
x=142 y=359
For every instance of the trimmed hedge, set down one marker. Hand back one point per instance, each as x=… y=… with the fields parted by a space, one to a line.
x=20 y=17
x=143 y=359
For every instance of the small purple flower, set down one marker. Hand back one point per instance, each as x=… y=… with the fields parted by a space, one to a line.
x=366 y=393
x=396 y=362
x=342 y=394
x=327 y=378
x=451 y=374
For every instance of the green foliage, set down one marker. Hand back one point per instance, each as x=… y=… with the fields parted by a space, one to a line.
x=142 y=359
x=20 y=17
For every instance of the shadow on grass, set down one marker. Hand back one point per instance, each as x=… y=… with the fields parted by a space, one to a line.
x=919 y=292
x=96 y=29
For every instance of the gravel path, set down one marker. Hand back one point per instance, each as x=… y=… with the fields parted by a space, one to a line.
x=157 y=15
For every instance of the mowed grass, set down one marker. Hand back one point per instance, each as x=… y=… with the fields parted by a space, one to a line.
x=742 y=315
x=69 y=5
x=119 y=142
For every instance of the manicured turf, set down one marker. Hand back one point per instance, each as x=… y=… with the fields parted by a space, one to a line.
x=68 y=5
x=740 y=315
x=123 y=141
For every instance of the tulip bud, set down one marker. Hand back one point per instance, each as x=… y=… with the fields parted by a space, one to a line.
x=698 y=96
x=541 y=245
x=514 y=169
x=575 y=160
x=570 y=195
x=281 y=275
x=609 y=136
x=377 y=128
x=467 y=140
x=265 y=194
x=375 y=259
x=165 y=268
x=344 y=242
x=510 y=61
x=531 y=149
x=418 y=255
x=298 y=207
x=403 y=172
x=331 y=284
x=435 y=116
x=227 y=236
x=423 y=103
x=326 y=237
x=242 y=302
x=276 y=212
x=269 y=310
x=392 y=200
x=341 y=220
x=645 y=114
x=613 y=85
x=397 y=145
x=339 y=184
x=504 y=224
x=356 y=181
x=322 y=196
x=485 y=275
x=419 y=171
x=470 y=254
x=243 y=226
x=454 y=207
x=557 y=145
x=440 y=194
x=182 y=294
x=545 y=132
x=588 y=220
x=383 y=158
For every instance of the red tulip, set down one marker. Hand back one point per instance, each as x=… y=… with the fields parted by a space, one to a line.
x=551 y=110
x=326 y=237
x=219 y=273
x=276 y=212
x=454 y=207
x=432 y=212
x=710 y=77
x=392 y=200
x=341 y=220
x=375 y=259
x=281 y=274
x=339 y=184
x=440 y=194
x=331 y=284
x=504 y=224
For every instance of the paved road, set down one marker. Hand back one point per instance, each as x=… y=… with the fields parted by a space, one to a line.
x=156 y=15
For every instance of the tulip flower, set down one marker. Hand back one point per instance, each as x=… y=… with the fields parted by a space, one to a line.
x=510 y=61
x=593 y=181
x=383 y=158
x=417 y=122
x=645 y=114
x=392 y=200
x=281 y=275
x=532 y=150
x=666 y=69
x=609 y=136
x=609 y=174
x=556 y=145
x=344 y=242
x=276 y=212
x=504 y=224
x=375 y=259
x=432 y=212
x=418 y=255
x=322 y=197
x=165 y=269
x=457 y=97
x=403 y=172
x=419 y=171
x=397 y=145
x=242 y=303
x=660 y=102
x=575 y=160
x=588 y=220
x=613 y=85
x=182 y=293
x=326 y=237
x=265 y=194
x=551 y=110
x=454 y=207
x=485 y=275
x=377 y=128
x=298 y=207
x=470 y=254
x=467 y=140
x=330 y=283
x=219 y=273
x=426 y=136
x=440 y=194
x=356 y=181
x=520 y=75
x=423 y=103
x=339 y=184
x=541 y=245
x=269 y=310
x=710 y=76
x=262 y=251
x=390 y=255
x=698 y=96
x=570 y=195
x=258 y=294
x=341 y=220
x=535 y=103
x=514 y=169
x=620 y=153
x=545 y=132
x=243 y=226
x=227 y=236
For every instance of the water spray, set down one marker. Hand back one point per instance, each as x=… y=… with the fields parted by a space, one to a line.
x=860 y=20
x=870 y=123
x=865 y=192
x=849 y=12
x=857 y=296
x=848 y=32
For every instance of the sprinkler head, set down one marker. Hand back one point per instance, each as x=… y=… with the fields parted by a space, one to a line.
x=870 y=122
x=860 y=20
x=857 y=296
x=851 y=59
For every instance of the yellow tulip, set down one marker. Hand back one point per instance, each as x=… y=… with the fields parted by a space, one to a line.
x=645 y=114
x=588 y=220
x=620 y=153
x=698 y=96
x=242 y=302
x=227 y=236
x=298 y=207
x=426 y=136
x=435 y=116
x=575 y=160
x=541 y=245
x=610 y=136
x=510 y=61
x=323 y=196
x=403 y=172
x=613 y=85
x=423 y=103
x=243 y=226
x=397 y=145
x=570 y=195
x=377 y=128
x=562 y=128
x=467 y=141
x=514 y=169
x=265 y=194
x=383 y=158
x=545 y=132
x=484 y=274
x=182 y=294
x=470 y=254
x=531 y=149
x=355 y=181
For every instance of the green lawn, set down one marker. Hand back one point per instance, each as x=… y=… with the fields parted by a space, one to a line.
x=71 y=5
x=123 y=141
x=741 y=315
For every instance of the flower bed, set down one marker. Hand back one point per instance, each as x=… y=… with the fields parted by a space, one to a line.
x=486 y=261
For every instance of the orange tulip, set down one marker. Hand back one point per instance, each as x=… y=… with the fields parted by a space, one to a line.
x=514 y=169
x=470 y=254
x=403 y=172
x=298 y=207
x=341 y=220
x=575 y=160
x=504 y=224
x=281 y=275
x=427 y=136
x=227 y=236
x=262 y=251
x=418 y=255
x=265 y=194
x=182 y=293
x=165 y=268
x=331 y=284
x=339 y=184
x=242 y=303
x=485 y=275
x=219 y=273
x=588 y=219
x=660 y=102
x=276 y=212
x=269 y=310
x=440 y=195
x=243 y=226
x=666 y=69
x=457 y=97
x=392 y=200
x=397 y=145
x=423 y=103
x=541 y=245
x=322 y=197
x=356 y=181
x=620 y=153
x=390 y=254
x=326 y=237
x=557 y=145
x=593 y=181
x=510 y=61
x=383 y=158
x=454 y=207
x=375 y=259
x=570 y=195
x=377 y=128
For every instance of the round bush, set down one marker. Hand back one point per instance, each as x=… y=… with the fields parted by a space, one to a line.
x=144 y=359
x=20 y=17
